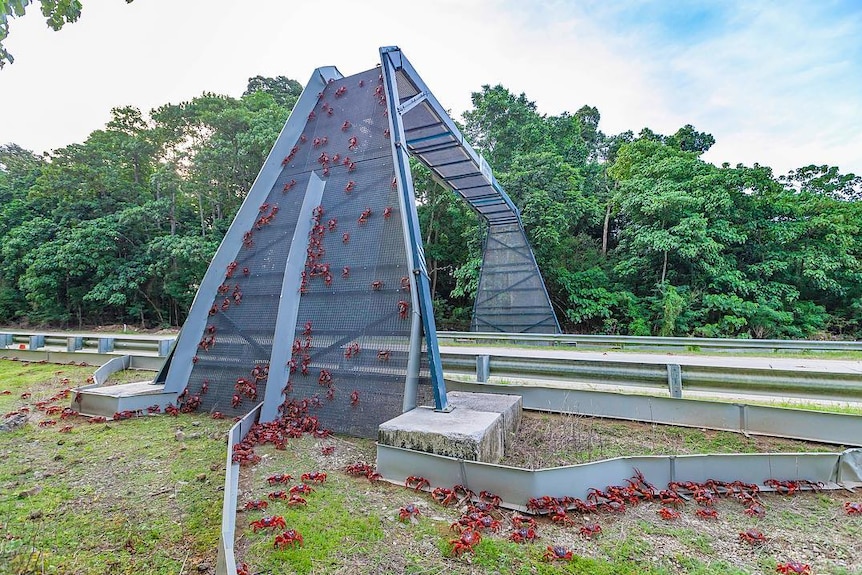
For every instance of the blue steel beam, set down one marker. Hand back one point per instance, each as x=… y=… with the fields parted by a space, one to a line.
x=390 y=60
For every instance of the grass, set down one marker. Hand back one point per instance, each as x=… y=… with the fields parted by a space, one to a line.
x=129 y=498
x=119 y=497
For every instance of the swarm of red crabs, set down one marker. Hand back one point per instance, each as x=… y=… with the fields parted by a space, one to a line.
x=482 y=512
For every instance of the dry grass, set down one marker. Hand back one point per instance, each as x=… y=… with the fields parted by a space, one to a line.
x=554 y=440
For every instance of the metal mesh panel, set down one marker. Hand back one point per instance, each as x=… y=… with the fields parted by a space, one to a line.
x=239 y=333
x=352 y=330
x=511 y=296
x=359 y=336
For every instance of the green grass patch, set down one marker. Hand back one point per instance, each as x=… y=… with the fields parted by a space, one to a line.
x=123 y=497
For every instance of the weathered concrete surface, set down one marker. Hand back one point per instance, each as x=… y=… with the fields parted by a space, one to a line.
x=476 y=430
x=509 y=406
x=110 y=399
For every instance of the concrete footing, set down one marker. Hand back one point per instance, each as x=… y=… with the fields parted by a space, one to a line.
x=114 y=398
x=477 y=429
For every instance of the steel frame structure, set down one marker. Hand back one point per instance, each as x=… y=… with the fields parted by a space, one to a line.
x=271 y=302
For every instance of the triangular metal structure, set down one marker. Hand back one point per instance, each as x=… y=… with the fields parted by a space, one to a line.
x=319 y=292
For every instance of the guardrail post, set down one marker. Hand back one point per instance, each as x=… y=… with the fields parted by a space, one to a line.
x=74 y=343
x=5 y=339
x=483 y=368
x=106 y=344
x=37 y=341
x=165 y=346
x=674 y=380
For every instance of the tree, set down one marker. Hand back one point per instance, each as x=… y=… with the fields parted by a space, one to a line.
x=57 y=14
x=283 y=90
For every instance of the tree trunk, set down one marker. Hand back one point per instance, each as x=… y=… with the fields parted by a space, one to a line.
x=173 y=213
x=664 y=268
x=606 y=229
x=201 y=212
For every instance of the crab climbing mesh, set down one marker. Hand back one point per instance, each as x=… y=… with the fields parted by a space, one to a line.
x=511 y=297
x=353 y=325
x=348 y=350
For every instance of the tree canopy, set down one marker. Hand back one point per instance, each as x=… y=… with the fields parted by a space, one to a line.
x=634 y=234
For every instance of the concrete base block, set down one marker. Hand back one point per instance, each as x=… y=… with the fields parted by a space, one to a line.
x=476 y=430
x=130 y=396
x=509 y=406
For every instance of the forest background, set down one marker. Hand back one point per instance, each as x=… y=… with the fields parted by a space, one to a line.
x=634 y=233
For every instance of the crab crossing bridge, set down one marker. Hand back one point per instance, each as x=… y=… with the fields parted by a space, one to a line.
x=319 y=289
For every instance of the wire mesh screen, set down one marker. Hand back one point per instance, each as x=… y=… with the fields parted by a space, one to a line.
x=231 y=366
x=511 y=297
x=349 y=350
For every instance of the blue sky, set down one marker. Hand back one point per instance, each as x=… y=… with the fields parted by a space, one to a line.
x=777 y=83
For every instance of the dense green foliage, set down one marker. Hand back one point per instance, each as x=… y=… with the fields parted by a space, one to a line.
x=634 y=234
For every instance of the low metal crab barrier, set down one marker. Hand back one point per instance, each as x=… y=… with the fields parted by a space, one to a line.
x=515 y=486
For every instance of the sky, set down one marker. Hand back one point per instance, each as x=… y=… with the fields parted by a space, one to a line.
x=777 y=83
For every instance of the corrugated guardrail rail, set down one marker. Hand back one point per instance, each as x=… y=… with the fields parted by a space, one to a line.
x=646 y=342
x=812 y=384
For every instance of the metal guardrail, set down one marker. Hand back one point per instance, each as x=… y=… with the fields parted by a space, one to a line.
x=633 y=342
x=147 y=353
x=161 y=345
x=516 y=486
x=74 y=343
x=811 y=384
x=806 y=425
x=226 y=562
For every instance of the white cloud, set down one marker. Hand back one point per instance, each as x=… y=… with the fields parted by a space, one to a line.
x=779 y=85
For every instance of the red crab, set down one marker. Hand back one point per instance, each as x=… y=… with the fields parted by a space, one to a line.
x=558 y=515
x=408 y=512
x=278 y=495
x=318 y=476
x=444 y=496
x=853 y=508
x=296 y=499
x=466 y=542
x=278 y=478
x=486 y=522
x=301 y=488
x=403 y=309
x=417 y=482
x=707 y=513
x=354 y=397
x=520 y=521
x=752 y=537
x=491 y=498
x=557 y=552
x=590 y=530
x=327 y=450
x=523 y=534
x=668 y=513
x=793 y=567
x=271 y=522
x=755 y=510
x=260 y=504
x=288 y=538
